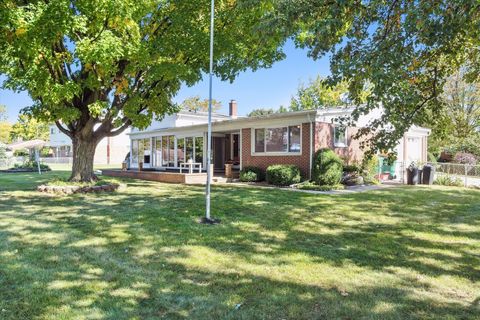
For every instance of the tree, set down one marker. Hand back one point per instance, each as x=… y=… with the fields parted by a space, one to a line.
x=3 y=113
x=5 y=130
x=194 y=104
x=29 y=128
x=459 y=124
x=95 y=68
x=5 y=127
x=260 y=112
x=319 y=94
x=403 y=50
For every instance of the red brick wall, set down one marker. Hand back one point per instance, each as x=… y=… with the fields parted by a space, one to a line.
x=302 y=161
x=324 y=139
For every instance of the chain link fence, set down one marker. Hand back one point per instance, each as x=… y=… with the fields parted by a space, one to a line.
x=468 y=174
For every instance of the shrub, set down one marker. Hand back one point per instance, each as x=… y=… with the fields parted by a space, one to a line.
x=327 y=167
x=432 y=158
x=252 y=174
x=465 y=158
x=32 y=165
x=315 y=187
x=283 y=175
x=448 y=181
x=370 y=170
x=351 y=168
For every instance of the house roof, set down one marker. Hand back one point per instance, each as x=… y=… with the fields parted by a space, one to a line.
x=30 y=144
x=320 y=115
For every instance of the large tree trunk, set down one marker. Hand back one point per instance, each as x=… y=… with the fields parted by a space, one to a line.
x=83 y=154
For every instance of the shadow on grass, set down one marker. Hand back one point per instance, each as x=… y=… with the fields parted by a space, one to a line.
x=141 y=253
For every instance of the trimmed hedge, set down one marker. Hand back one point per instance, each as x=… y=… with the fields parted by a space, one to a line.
x=252 y=174
x=283 y=175
x=327 y=168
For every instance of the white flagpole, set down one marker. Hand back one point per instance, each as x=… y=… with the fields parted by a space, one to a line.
x=209 y=135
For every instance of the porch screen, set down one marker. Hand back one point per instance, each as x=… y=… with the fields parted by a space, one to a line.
x=199 y=149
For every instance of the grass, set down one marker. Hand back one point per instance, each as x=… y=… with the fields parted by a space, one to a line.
x=406 y=253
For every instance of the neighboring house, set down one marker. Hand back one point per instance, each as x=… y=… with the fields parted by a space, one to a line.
x=29 y=145
x=110 y=150
x=279 y=138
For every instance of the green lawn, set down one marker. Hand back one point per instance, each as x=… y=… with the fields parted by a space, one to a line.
x=407 y=253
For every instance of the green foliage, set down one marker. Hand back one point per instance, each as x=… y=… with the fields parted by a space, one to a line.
x=309 y=185
x=401 y=253
x=459 y=122
x=319 y=94
x=32 y=165
x=59 y=181
x=29 y=128
x=402 y=50
x=283 y=175
x=352 y=168
x=194 y=104
x=432 y=158
x=261 y=112
x=5 y=130
x=327 y=167
x=120 y=63
x=445 y=180
x=252 y=174
x=370 y=169
x=21 y=153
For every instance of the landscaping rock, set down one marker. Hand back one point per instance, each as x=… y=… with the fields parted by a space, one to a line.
x=77 y=189
x=352 y=179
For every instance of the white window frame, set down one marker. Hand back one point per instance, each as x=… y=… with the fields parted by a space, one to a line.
x=281 y=153
x=337 y=144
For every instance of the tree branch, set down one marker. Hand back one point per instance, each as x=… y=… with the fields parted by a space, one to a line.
x=62 y=129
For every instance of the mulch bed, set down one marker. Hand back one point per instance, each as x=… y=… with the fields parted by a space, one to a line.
x=78 y=189
x=23 y=170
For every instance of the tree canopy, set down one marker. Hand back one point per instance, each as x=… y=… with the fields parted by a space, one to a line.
x=195 y=104
x=319 y=94
x=5 y=127
x=459 y=126
x=29 y=128
x=402 y=50
x=95 y=67
x=260 y=112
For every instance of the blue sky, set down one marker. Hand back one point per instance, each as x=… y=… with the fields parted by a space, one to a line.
x=265 y=88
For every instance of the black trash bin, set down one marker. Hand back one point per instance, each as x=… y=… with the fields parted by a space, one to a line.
x=413 y=175
x=428 y=174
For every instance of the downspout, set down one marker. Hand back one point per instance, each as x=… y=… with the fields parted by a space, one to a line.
x=311 y=146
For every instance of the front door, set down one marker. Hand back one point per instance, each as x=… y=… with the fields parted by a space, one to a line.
x=218 y=152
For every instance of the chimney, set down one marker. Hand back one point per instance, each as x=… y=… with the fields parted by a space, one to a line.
x=233 y=109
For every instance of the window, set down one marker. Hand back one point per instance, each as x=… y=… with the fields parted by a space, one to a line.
x=158 y=152
x=259 y=140
x=165 y=152
x=189 y=149
x=146 y=151
x=340 y=136
x=199 y=149
x=180 y=151
x=140 y=150
x=52 y=130
x=134 y=155
x=294 y=139
x=278 y=140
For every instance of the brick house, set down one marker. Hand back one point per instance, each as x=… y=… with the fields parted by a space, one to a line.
x=280 y=138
